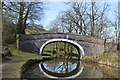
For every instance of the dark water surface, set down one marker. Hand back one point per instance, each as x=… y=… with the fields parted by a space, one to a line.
x=66 y=69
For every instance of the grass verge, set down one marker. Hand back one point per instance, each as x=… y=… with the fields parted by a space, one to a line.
x=110 y=59
x=11 y=65
x=106 y=63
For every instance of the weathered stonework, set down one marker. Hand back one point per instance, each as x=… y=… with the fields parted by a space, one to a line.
x=32 y=43
x=110 y=47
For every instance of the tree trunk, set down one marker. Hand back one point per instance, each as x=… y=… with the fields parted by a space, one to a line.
x=25 y=18
x=92 y=20
x=19 y=29
x=118 y=45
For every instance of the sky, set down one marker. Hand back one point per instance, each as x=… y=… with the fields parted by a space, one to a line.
x=52 y=9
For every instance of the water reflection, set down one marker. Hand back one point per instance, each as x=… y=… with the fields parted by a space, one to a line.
x=61 y=50
x=61 y=68
x=67 y=68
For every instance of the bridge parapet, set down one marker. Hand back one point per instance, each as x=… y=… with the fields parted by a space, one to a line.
x=33 y=42
x=63 y=36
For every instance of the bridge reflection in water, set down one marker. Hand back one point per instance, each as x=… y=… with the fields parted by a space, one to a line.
x=64 y=62
x=61 y=68
x=63 y=52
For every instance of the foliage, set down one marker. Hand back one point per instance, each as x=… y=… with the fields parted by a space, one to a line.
x=8 y=32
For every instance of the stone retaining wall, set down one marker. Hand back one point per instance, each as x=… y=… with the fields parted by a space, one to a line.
x=32 y=43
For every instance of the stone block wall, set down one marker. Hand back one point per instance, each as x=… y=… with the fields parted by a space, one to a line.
x=32 y=43
x=110 y=47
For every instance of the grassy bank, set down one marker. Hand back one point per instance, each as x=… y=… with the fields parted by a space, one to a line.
x=106 y=63
x=11 y=65
x=109 y=59
x=111 y=71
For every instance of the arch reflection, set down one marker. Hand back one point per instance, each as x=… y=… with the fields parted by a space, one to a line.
x=61 y=68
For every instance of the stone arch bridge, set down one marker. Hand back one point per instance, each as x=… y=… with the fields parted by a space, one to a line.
x=33 y=42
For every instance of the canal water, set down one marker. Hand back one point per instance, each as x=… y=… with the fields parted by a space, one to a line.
x=65 y=64
x=68 y=69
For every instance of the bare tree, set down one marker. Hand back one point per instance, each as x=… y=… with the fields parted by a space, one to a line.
x=16 y=16
x=84 y=18
x=54 y=26
x=9 y=20
x=97 y=17
x=66 y=21
x=115 y=26
x=26 y=13
x=10 y=11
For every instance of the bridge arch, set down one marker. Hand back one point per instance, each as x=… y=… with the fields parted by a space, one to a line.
x=78 y=46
